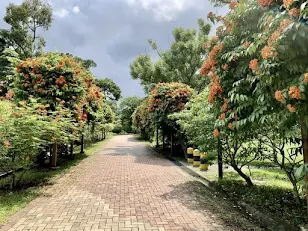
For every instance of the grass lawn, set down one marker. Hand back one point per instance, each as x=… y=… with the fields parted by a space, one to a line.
x=272 y=193
x=33 y=180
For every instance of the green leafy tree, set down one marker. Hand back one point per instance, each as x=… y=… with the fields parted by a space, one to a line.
x=257 y=70
x=180 y=63
x=26 y=20
x=8 y=61
x=127 y=107
x=198 y=122
x=109 y=88
x=86 y=63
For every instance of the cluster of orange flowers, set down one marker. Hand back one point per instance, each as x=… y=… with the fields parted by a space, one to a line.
x=246 y=44
x=224 y=107
x=294 y=92
x=222 y=116
x=60 y=81
x=279 y=96
x=283 y=24
x=233 y=4
x=215 y=87
x=291 y=108
x=216 y=133
x=230 y=126
x=287 y=3
x=268 y=52
x=306 y=77
x=295 y=12
x=9 y=95
x=265 y=4
x=94 y=93
x=6 y=143
x=253 y=65
x=225 y=67
x=210 y=63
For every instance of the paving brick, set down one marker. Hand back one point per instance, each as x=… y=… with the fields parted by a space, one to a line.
x=123 y=187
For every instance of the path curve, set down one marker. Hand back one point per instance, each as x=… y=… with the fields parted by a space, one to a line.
x=124 y=187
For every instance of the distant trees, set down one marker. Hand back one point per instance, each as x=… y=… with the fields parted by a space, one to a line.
x=127 y=107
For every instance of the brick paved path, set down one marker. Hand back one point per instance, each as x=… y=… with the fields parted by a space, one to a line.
x=123 y=187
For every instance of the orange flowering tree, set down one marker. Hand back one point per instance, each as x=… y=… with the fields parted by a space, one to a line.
x=62 y=87
x=55 y=79
x=142 y=120
x=257 y=68
x=166 y=99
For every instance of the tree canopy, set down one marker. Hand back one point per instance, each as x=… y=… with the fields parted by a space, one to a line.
x=25 y=21
x=180 y=63
x=109 y=88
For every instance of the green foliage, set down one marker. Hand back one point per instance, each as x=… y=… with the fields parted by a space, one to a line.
x=127 y=107
x=8 y=61
x=258 y=82
x=86 y=63
x=197 y=123
x=180 y=63
x=26 y=20
x=273 y=193
x=109 y=88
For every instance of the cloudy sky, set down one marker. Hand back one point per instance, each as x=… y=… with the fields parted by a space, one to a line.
x=114 y=32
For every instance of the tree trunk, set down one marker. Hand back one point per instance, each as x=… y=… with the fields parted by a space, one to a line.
x=82 y=144
x=163 y=139
x=54 y=155
x=171 y=144
x=294 y=184
x=304 y=133
x=220 y=164
x=12 y=185
x=157 y=137
x=243 y=175
x=72 y=150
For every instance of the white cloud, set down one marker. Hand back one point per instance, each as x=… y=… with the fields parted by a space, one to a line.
x=62 y=13
x=76 y=9
x=164 y=10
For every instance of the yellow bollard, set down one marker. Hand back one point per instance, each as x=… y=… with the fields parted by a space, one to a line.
x=190 y=156
x=204 y=165
x=196 y=162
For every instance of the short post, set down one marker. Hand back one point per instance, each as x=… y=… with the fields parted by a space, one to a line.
x=196 y=162
x=190 y=155
x=204 y=164
x=82 y=144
